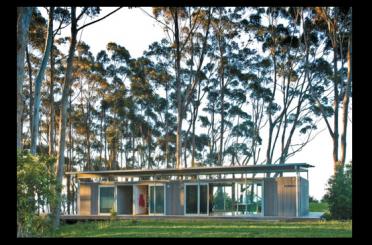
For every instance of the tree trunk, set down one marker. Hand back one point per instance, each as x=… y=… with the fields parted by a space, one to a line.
x=222 y=94
x=68 y=185
x=63 y=118
x=23 y=23
x=30 y=86
x=178 y=92
x=193 y=140
x=271 y=124
x=101 y=139
x=335 y=107
x=38 y=81
x=212 y=144
x=166 y=128
x=133 y=152
x=105 y=135
x=70 y=162
x=51 y=108
x=88 y=137
x=345 y=103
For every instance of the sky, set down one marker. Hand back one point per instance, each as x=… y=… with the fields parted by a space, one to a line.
x=134 y=30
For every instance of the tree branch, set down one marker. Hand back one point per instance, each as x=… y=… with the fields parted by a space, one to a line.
x=98 y=19
x=167 y=27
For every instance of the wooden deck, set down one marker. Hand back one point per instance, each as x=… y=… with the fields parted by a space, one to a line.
x=74 y=218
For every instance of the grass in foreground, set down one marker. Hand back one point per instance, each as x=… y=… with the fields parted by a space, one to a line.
x=205 y=228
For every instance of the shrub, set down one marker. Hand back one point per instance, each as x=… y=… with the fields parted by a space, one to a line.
x=35 y=182
x=339 y=193
x=312 y=199
x=113 y=213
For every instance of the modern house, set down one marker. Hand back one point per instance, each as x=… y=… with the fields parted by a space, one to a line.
x=249 y=191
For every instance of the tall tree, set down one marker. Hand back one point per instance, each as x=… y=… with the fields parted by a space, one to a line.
x=336 y=23
x=23 y=23
x=64 y=99
x=63 y=116
x=38 y=81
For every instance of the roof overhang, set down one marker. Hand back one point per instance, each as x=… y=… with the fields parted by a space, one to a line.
x=268 y=168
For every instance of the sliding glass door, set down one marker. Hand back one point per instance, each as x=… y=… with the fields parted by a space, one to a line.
x=196 y=196
x=156 y=199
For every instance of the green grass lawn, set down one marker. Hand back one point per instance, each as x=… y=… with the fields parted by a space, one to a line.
x=205 y=228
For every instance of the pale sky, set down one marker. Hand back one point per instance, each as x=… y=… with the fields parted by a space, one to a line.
x=135 y=31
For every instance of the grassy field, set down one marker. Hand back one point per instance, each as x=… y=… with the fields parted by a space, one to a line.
x=205 y=228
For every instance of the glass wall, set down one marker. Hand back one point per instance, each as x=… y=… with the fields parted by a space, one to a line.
x=159 y=197
x=196 y=198
x=106 y=199
x=191 y=199
x=249 y=198
x=203 y=199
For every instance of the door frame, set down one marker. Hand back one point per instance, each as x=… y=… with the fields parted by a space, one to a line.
x=99 y=198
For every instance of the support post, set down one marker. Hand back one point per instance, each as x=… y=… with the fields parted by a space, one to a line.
x=198 y=195
x=246 y=187
x=297 y=206
x=78 y=197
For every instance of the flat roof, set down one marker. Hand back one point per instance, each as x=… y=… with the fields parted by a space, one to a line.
x=267 y=168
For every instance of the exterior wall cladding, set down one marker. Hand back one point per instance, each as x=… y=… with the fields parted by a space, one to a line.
x=279 y=197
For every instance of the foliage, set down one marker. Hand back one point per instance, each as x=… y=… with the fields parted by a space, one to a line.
x=318 y=207
x=339 y=193
x=206 y=228
x=312 y=199
x=221 y=200
x=35 y=182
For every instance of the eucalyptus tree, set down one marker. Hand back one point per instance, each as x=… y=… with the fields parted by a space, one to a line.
x=37 y=40
x=224 y=38
x=160 y=54
x=90 y=11
x=175 y=19
x=60 y=14
x=101 y=64
x=83 y=72
x=336 y=24
x=286 y=90
x=38 y=80
x=23 y=23
x=199 y=22
x=118 y=71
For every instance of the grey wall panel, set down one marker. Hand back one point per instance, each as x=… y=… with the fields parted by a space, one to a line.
x=270 y=197
x=174 y=198
x=94 y=198
x=124 y=199
x=286 y=196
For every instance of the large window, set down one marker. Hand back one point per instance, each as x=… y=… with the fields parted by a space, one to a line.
x=106 y=199
x=196 y=198
x=156 y=199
